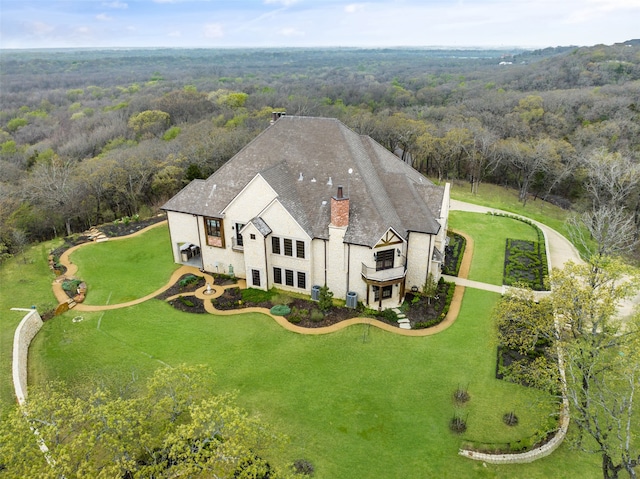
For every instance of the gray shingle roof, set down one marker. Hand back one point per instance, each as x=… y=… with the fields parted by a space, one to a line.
x=304 y=159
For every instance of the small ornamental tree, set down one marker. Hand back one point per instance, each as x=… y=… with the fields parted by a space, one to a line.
x=430 y=288
x=325 y=299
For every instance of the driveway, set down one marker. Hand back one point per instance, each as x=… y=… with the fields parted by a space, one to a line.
x=560 y=249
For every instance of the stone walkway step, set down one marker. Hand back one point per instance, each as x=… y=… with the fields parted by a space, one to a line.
x=404 y=326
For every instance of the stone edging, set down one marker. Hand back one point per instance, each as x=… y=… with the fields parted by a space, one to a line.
x=25 y=332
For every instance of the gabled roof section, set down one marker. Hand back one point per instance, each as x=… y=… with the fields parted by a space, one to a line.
x=304 y=159
x=261 y=226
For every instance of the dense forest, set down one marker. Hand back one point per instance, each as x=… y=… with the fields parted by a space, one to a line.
x=88 y=136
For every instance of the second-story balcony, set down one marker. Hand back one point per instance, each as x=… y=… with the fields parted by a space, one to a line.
x=382 y=275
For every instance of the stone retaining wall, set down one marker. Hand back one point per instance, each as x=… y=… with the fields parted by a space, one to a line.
x=25 y=332
x=529 y=456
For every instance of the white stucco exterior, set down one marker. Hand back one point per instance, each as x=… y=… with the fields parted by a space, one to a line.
x=290 y=226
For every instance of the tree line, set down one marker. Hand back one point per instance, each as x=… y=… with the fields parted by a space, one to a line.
x=90 y=136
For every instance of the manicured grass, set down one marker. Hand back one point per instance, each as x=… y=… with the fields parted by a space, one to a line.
x=118 y=271
x=506 y=199
x=357 y=403
x=490 y=234
x=24 y=282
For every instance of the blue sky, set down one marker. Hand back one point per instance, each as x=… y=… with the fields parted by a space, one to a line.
x=305 y=23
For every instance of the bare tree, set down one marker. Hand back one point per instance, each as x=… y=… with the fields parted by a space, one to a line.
x=54 y=186
x=610 y=231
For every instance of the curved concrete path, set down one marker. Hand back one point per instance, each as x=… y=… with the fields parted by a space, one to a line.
x=216 y=291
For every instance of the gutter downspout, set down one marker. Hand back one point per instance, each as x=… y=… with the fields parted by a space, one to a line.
x=266 y=265
x=429 y=257
x=348 y=264
x=325 y=261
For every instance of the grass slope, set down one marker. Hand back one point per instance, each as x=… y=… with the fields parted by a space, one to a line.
x=25 y=281
x=355 y=403
x=122 y=270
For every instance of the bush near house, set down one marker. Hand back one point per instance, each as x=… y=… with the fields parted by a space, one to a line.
x=454 y=252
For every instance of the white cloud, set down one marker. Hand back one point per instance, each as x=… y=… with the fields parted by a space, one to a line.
x=354 y=7
x=116 y=4
x=103 y=17
x=213 y=30
x=175 y=34
x=83 y=30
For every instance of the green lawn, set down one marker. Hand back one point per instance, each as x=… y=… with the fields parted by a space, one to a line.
x=24 y=282
x=506 y=199
x=489 y=234
x=355 y=402
x=123 y=270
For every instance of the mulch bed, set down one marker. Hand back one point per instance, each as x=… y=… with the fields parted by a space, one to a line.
x=184 y=304
x=422 y=309
x=113 y=230
x=230 y=300
x=177 y=289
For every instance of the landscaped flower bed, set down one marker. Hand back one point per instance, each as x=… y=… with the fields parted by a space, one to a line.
x=525 y=262
x=424 y=312
x=188 y=304
x=304 y=312
x=187 y=283
x=454 y=252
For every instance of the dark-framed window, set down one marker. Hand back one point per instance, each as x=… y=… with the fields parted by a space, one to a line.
x=288 y=247
x=277 y=275
x=384 y=259
x=288 y=277
x=239 y=240
x=252 y=236
x=255 y=277
x=275 y=245
x=213 y=229
x=302 y=280
x=299 y=249
x=387 y=292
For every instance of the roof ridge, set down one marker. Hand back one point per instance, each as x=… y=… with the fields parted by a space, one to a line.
x=372 y=182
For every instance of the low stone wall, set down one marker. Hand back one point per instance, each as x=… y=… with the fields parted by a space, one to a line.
x=529 y=456
x=25 y=332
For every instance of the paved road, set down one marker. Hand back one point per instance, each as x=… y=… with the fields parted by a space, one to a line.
x=560 y=250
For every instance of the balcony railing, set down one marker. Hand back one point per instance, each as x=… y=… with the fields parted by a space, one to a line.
x=382 y=275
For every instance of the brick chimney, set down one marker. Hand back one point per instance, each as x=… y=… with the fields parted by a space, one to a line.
x=275 y=115
x=340 y=210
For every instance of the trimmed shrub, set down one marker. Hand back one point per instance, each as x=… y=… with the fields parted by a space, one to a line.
x=253 y=295
x=187 y=280
x=303 y=466
x=280 y=310
x=71 y=285
x=457 y=424
x=186 y=302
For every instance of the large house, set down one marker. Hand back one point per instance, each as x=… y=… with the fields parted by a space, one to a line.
x=310 y=202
